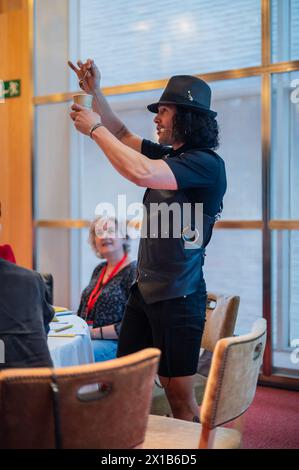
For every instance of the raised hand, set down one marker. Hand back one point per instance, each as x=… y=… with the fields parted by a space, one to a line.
x=88 y=75
x=84 y=119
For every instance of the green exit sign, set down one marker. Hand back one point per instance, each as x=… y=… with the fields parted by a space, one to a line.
x=10 y=89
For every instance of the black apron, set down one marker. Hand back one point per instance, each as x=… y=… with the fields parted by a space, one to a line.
x=170 y=263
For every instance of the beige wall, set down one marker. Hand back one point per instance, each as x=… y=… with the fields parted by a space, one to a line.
x=16 y=129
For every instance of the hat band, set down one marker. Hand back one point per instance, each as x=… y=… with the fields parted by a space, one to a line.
x=178 y=99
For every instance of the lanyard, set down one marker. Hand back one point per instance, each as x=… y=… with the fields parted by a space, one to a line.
x=100 y=284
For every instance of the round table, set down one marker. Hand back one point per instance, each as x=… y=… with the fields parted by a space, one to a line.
x=70 y=350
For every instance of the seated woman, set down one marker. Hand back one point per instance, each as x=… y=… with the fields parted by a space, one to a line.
x=103 y=300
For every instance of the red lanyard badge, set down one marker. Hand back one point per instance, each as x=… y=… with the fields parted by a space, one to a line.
x=100 y=284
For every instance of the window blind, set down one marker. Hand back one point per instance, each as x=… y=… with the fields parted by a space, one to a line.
x=140 y=40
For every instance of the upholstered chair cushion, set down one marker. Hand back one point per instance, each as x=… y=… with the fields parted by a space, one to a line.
x=170 y=433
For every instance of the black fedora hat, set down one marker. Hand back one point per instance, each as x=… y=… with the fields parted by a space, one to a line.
x=186 y=91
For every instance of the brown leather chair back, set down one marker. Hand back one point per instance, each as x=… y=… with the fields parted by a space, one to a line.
x=113 y=416
x=233 y=376
x=221 y=315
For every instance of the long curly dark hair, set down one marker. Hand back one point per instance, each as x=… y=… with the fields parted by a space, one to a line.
x=195 y=128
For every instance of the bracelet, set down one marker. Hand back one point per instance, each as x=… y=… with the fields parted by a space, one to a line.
x=94 y=127
x=101 y=332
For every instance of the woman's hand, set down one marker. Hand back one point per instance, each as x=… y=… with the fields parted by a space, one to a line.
x=95 y=333
x=88 y=75
x=84 y=118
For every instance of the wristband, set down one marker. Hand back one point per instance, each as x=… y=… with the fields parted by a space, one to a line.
x=94 y=127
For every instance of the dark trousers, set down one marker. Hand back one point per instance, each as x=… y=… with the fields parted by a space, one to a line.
x=175 y=326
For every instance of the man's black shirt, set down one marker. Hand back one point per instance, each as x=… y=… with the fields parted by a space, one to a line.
x=199 y=170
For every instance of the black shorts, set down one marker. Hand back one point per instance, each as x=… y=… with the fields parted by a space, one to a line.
x=174 y=326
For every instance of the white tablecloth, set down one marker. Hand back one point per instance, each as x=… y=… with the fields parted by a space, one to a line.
x=70 y=351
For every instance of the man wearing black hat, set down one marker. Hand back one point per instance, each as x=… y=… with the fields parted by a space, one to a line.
x=166 y=307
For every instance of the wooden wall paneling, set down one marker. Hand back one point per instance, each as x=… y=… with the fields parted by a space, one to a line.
x=16 y=131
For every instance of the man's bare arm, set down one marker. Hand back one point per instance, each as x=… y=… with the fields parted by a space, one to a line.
x=144 y=172
x=113 y=123
x=130 y=163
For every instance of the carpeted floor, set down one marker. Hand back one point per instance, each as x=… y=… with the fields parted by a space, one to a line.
x=272 y=421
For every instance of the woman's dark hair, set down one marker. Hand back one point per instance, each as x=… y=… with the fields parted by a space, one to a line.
x=196 y=128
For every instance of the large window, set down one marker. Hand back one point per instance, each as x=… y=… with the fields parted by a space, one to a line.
x=52 y=46
x=285 y=146
x=238 y=103
x=285 y=30
x=234 y=266
x=284 y=206
x=139 y=40
x=248 y=51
